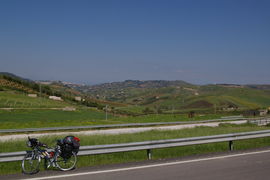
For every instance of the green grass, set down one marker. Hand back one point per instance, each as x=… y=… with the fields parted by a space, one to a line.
x=253 y=96
x=14 y=167
x=142 y=136
x=169 y=98
x=134 y=109
x=244 y=97
x=13 y=99
x=57 y=118
x=49 y=118
x=167 y=118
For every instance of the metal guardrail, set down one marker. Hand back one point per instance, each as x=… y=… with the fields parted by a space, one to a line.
x=235 y=118
x=150 y=145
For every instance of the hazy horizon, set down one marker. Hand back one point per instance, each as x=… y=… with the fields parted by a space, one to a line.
x=93 y=42
x=99 y=83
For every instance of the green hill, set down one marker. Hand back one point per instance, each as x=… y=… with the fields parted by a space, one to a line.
x=179 y=96
x=14 y=92
x=135 y=97
x=26 y=104
x=128 y=90
x=14 y=99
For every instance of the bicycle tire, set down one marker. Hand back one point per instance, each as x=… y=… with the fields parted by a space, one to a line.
x=30 y=163
x=66 y=164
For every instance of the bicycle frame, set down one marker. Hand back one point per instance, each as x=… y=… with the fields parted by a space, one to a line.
x=51 y=160
x=52 y=157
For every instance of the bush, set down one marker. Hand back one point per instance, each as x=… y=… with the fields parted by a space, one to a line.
x=147 y=110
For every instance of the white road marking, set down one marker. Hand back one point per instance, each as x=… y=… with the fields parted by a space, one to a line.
x=149 y=166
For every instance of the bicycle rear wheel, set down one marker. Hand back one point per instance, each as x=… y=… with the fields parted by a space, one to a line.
x=30 y=163
x=66 y=164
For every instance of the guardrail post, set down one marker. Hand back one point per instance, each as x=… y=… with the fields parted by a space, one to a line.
x=149 y=154
x=231 y=145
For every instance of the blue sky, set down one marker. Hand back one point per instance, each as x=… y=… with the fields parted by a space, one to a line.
x=199 y=41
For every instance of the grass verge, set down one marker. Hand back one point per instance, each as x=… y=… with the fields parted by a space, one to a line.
x=14 y=167
x=15 y=119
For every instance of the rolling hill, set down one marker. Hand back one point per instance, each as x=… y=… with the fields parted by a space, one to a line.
x=168 y=96
x=14 y=93
x=136 y=97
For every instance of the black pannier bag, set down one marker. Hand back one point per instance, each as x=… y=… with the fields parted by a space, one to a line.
x=68 y=145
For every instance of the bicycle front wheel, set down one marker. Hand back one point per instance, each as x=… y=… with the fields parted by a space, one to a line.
x=64 y=163
x=30 y=163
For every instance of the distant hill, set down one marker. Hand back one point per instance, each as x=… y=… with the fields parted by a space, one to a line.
x=140 y=84
x=169 y=96
x=7 y=74
x=11 y=84
x=117 y=91
x=136 y=97
x=259 y=86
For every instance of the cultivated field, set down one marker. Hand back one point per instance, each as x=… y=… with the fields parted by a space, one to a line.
x=57 y=118
x=13 y=99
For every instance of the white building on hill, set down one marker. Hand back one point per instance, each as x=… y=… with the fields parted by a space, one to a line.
x=56 y=98
x=32 y=95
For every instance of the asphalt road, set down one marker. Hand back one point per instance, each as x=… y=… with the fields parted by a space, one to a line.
x=246 y=165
